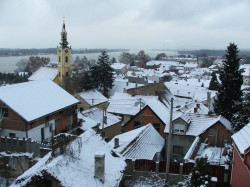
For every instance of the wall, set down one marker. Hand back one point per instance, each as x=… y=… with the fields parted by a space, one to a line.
x=150 y=89
x=180 y=140
x=240 y=173
x=112 y=131
x=147 y=117
x=223 y=133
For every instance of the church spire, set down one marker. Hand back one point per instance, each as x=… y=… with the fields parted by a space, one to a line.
x=64 y=43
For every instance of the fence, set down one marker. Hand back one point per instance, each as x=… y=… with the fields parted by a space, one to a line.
x=174 y=168
x=17 y=145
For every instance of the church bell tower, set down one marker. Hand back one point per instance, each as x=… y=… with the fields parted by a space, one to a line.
x=64 y=58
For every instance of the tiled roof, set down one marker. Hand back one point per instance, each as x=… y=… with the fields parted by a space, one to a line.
x=242 y=139
x=93 y=116
x=93 y=97
x=44 y=73
x=141 y=143
x=122 y=103
x=35 y=99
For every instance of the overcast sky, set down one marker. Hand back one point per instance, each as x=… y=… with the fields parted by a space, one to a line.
x=131 y=24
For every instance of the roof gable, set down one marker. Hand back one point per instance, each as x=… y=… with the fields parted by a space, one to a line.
x=141 y=143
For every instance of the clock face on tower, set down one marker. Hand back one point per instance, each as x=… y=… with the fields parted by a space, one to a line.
x=66 y=51
x=59 y=51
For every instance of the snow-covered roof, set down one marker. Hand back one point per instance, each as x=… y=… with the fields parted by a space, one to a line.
x=94 y=116
x=120 y=84
x=44 y=73
x=35 y=99
x=214 y=154
x=141 y=143
x=123 y=103
x=242 y=139
x=200 y=123
x=194 y=92
x=192 y=82
x=190 y=65
x=79 y=172
x=190 y=108
x=118 y=65
x=92 y=97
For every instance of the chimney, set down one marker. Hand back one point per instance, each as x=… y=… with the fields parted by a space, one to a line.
x=100 y=166
x=127 y=83
x=116 y=143
x=195 y=110
x=198 y=105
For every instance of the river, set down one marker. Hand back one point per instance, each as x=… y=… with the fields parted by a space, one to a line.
x=8 y=64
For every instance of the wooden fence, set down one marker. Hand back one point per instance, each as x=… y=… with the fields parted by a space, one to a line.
x=150 y=165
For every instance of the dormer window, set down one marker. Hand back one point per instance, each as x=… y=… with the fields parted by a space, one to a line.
x=179 y=128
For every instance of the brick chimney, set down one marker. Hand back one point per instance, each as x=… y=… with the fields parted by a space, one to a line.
x=100 y=166
x=195 y=110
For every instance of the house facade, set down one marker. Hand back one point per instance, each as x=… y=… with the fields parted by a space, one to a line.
x=144 y=117
x=241 y=158
x=36 y=110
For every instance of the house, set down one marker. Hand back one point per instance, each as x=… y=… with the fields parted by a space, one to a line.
x=88 y=161
x=211 y=129
x=119 y=68
x=45 y=73
x=122 y=85
x=36 y=110
x=142 y=143
x=241 y=158
x=91 y=99
x=190 y=66
x=101 y=121
x=126 y=106
x=155 y=113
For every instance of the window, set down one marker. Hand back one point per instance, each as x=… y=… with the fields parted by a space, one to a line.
x=179 y=128
x=50 y=127
x=56 y=121
x=66 y=59
x=4 y=112
x=157 y=126
x=59 y=74
x=67 y=74
x=137 y=124
x=59 y=59
x=12 y=135
x=178 y=150
x=212 y=132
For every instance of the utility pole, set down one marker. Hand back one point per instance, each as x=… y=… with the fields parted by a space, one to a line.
x=103 y=121
x=169 y=140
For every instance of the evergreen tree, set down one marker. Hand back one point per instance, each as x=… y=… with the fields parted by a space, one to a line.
x=241 y=117
x=214 y=84
x=229 y=94
x=102 y=74
x=201 y=173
